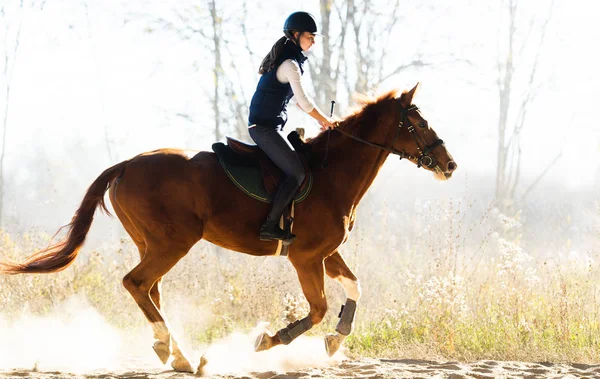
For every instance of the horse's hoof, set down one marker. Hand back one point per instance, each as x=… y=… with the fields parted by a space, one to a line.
x=263 y=342
x=162 y=350
x=182 y=365
x=333 y=343
x=201 y=365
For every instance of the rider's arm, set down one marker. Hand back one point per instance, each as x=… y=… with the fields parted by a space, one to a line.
x=289 y=71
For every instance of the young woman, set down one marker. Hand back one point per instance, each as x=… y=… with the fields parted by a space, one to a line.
x=281 y=80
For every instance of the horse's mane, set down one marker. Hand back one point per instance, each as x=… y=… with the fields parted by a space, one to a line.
x=351 y=123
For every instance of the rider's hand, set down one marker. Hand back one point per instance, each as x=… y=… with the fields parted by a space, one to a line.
x=328 y=124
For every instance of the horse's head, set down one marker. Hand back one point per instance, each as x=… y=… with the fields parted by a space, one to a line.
x=396 y=125
x=417 y=139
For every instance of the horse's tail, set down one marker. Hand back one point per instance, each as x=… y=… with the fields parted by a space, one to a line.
x=60 y=255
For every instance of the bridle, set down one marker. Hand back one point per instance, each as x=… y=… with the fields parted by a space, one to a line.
x=424 y=159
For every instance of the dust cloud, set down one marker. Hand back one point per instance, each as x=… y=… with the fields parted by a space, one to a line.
x=72 y=338
x=75 y=338
x=235 y=355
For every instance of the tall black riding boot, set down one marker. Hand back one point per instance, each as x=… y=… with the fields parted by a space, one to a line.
x=270 y=230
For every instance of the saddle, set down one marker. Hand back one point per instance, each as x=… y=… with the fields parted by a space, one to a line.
x=254 y=173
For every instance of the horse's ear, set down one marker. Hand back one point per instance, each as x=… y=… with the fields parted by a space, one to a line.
x=407 y=97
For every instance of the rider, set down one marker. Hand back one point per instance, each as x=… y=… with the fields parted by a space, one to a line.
x=281 y=79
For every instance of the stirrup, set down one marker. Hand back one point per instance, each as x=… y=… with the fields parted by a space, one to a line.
x=270 y=231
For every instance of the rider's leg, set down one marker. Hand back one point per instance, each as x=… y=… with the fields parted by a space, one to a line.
x=273 y=144
x=284 y=195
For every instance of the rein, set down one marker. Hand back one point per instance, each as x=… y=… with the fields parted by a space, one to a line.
x=424 y=159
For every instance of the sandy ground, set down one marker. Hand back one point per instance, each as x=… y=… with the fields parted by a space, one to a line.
x=363 y=368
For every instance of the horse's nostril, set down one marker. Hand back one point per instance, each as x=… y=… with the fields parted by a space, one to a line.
x=451 y=166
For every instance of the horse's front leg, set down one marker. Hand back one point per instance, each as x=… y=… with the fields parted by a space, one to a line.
x=312 y=279
x=337 y=269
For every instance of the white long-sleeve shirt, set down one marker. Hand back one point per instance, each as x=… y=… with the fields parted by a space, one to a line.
x=289 y=72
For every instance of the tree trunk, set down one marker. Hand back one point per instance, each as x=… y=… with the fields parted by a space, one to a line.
x=217 y=69
x=508 y=167
x=505 y=78
x=7 y=77
x=323 y=82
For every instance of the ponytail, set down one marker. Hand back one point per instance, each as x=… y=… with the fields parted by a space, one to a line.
x=270 y=61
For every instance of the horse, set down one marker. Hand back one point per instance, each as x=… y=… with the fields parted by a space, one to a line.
x=167 y=202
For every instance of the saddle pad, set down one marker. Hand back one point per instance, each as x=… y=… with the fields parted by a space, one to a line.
x=247 y=175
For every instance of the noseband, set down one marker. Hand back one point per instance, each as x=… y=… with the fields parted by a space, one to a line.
x=424 y=159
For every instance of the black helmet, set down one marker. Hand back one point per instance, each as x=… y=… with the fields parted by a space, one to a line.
x=300 y=21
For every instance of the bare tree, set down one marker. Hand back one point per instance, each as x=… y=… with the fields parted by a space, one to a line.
x=355 y=58
x=12 y=37
x=518 y=45
x=238 y=103
x=217 y=68
x=374 y=30
x=325 y=78
x=228 y=102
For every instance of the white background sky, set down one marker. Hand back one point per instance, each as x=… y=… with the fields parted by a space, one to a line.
x=81 y=70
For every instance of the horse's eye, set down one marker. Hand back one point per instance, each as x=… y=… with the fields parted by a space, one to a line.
x=423 y=124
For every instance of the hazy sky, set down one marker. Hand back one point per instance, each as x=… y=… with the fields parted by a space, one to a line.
x=81 y=72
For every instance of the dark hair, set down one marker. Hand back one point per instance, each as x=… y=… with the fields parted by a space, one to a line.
x=270 y=61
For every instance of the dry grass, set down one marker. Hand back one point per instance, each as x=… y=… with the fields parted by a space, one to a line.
x=443 y=280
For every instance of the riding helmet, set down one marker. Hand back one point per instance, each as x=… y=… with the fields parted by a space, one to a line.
x=300 y=21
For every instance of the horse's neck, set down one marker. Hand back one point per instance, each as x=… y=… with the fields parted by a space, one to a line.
x=354 y=167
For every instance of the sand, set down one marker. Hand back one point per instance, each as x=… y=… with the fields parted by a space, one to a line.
x=83 y=345
x=361 y=368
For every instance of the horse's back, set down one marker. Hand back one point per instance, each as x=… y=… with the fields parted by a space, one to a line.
x=170 y=194
x=165 y=186
x=172 y=155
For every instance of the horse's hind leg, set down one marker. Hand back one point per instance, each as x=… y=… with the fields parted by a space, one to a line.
x=155 y=291
x=336 y=268
x=180 y=362
x=143 y=283
x=312 y=279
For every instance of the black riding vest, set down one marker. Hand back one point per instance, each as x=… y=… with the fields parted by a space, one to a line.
x=269 y=103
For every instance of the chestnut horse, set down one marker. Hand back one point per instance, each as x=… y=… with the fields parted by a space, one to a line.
x=167 y=202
